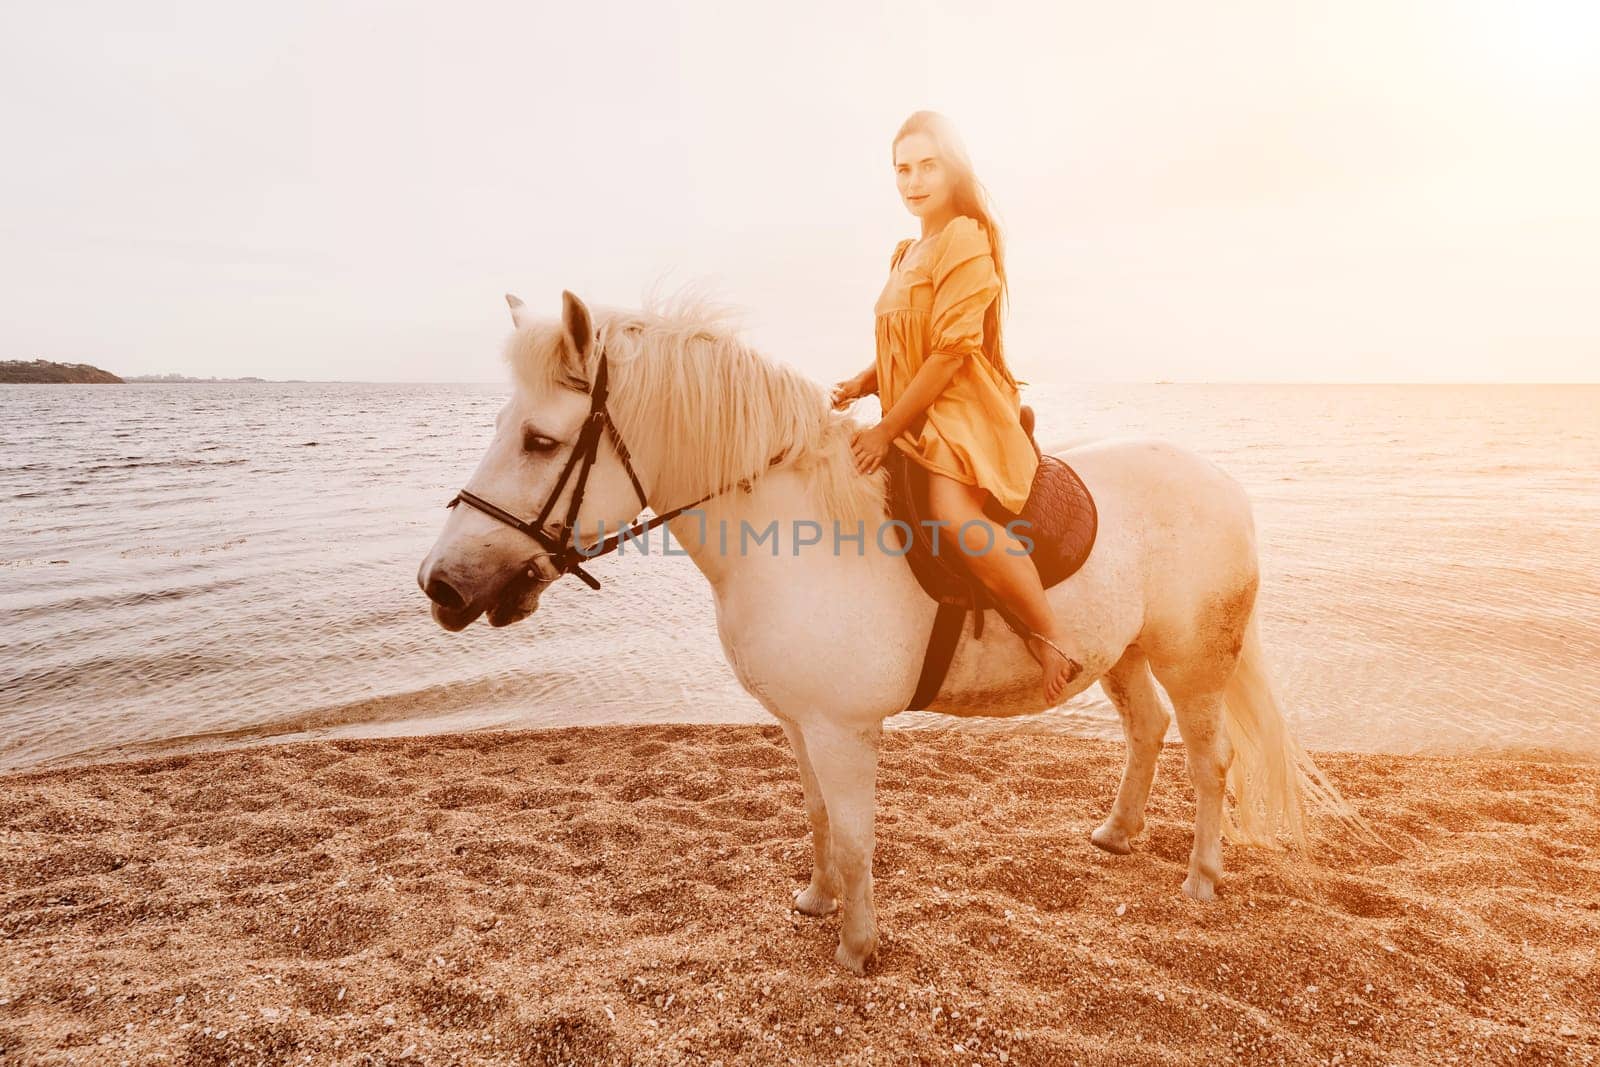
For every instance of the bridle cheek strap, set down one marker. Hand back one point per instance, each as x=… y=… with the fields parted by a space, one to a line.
x=561 y=544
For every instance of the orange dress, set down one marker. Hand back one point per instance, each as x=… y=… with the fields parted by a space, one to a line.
x=934 y=302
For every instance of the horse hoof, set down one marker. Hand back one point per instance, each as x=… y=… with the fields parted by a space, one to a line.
x=854 y=961
x=813 y=902
x=1111 y=840
x=1199 y=887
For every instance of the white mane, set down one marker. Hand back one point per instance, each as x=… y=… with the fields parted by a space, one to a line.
x=682 y=384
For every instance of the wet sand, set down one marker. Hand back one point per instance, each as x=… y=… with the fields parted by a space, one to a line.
x=621 y=895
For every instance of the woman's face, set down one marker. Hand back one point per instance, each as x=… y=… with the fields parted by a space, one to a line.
x=921 y=176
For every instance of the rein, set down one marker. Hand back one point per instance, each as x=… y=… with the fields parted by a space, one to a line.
x=560 y=540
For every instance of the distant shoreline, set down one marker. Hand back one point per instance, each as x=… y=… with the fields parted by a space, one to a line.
x=46 y=372
x=179 y=379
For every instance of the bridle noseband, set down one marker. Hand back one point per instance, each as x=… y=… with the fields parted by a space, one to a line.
x=560 y=544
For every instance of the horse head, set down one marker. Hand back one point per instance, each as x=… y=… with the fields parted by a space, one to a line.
x=548 y=474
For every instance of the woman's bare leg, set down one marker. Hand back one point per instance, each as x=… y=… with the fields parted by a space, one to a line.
x=1004 y=569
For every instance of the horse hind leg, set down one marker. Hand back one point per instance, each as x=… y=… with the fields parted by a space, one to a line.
x=816 y=899
x=1196 y=680
x=1200 y=723
x=1144 y=724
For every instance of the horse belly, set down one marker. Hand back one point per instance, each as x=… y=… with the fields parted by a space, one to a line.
x=995 y=677
x=1100 y=606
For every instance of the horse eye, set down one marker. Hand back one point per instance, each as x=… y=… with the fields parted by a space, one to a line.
x=538 y=442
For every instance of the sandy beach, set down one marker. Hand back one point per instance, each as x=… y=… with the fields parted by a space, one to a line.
x=621 y=895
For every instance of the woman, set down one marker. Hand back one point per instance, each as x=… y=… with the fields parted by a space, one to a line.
x=950 y=402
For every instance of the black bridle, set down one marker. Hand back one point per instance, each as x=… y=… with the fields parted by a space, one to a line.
x=560 y=544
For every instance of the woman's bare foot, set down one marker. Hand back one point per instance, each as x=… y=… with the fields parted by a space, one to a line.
x=1059 y=668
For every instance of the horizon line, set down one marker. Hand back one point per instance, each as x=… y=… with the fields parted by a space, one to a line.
x=240 y=380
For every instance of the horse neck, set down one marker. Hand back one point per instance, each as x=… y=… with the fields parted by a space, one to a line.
x=732 y=521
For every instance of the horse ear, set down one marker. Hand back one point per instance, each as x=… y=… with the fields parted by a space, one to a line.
x=519 y=316
x=578 y=334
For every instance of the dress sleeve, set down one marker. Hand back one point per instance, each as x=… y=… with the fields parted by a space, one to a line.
x=964 y=285
x=899 y=250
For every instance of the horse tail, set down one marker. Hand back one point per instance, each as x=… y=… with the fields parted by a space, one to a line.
x=1272 y=779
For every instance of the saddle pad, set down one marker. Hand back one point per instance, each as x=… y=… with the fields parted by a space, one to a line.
x=1060 y=513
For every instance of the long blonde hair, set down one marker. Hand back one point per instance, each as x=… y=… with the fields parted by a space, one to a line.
x=969 y=198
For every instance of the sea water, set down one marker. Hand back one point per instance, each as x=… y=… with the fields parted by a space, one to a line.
x=186 y=566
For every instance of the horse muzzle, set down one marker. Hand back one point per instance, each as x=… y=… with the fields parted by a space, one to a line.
x=511 y=600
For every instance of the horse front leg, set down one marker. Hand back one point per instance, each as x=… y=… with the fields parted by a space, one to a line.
x=845 y=762
x=817 y=898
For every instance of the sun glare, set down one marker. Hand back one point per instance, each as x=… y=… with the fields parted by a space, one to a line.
x=1552 y=46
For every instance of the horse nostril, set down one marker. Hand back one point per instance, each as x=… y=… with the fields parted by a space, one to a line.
x=443 y=594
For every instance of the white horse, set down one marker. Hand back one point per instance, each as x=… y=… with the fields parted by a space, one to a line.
x=829 y=635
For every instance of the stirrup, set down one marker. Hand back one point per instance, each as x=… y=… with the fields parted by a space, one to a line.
x=1052 y=644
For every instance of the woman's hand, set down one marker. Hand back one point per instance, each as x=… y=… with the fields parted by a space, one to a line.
x=845 y=392
x=869 y=446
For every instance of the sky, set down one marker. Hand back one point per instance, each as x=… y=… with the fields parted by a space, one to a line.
x=1255 y=190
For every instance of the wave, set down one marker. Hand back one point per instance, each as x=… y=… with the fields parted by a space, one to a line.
x=478 y=697
x=121 y=601
x=162 y=464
